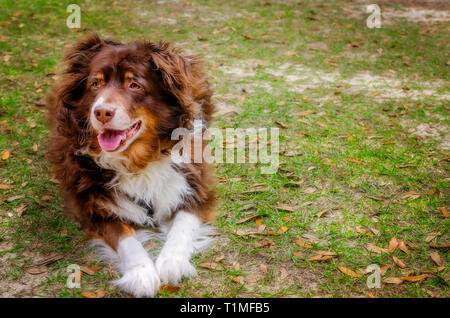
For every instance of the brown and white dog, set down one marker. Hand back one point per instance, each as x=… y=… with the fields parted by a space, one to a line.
x=111 y=117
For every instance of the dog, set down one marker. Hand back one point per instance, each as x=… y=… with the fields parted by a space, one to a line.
x=112 y=114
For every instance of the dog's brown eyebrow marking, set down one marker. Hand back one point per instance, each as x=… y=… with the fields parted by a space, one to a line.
x=100 y=76
x=129 y=75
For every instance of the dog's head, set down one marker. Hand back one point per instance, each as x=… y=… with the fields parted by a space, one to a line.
x=128 y=99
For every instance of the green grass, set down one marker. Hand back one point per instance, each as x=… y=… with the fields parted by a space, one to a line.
x=245 y=45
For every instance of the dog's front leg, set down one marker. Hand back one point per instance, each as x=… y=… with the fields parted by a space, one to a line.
x=122 y=247
x=173 y=262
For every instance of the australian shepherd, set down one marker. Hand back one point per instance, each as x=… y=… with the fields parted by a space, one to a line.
x=112 y=114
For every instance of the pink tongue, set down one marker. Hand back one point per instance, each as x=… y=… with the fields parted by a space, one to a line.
x=110 y=140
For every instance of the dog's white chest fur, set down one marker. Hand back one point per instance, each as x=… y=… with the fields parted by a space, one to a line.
x=159 y=185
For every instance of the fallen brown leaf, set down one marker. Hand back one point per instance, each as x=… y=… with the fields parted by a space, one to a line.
x=169 y=288
x=363 y=231
x=255 y=191
x=399 y=262
x=264 y=243
x=211 y=266
x=414 y=278
x=319 y=258
x=393 y=244
x=5 y=154
x=293 y=184
x=20 y=209
x=282 y=230
x=447 y=245
x=303 y=244
x=393 y=280
x=46 y=198
x=443 y=211
x=87 y=270
x=429 y=292
x=429 y=238
x=246 y=207
x=370 y=295
x=285 y=207
x=321 y=213
x=237 y=279
x=250 y=232
x=101 y=293
x=410 y=194
x=375 y=231
x=436 y=192
x=281 y=124
x=289 y=54
x=5 y=186
x=253 y=279
x=305 y=113
x=383 y=269
x=360 y=230
x=89 y=294
x=319 y=123
x=36 y=270
x=48 y=260
x=258 y=220
x=402 y=246
x=13 y=198
x=328 y=253
x=298 y=254
x=436 y=258
x=407 y=165
x=376 y=249
x=148 y=245
x=247 y=218
x=355 y=161
x=412 y=245
x=347 y=271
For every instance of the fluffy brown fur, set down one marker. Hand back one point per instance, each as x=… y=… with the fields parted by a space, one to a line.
x=180 y=94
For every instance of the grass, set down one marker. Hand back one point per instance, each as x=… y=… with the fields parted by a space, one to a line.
x=367 y=90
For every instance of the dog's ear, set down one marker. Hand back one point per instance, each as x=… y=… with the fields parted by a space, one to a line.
x=77 y=60
x=175 y=67
x=69 y=89
x=181 y=75
x=80 y=55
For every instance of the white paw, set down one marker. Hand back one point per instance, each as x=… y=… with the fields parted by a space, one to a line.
x=173 y=267
x=140 y=281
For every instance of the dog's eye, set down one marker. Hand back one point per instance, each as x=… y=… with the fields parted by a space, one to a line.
x=134 y=86
x=95 y=84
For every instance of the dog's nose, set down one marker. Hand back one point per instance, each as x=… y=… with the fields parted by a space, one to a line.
x=104 y=114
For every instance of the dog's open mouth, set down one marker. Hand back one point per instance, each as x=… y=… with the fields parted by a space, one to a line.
x=112 y=140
